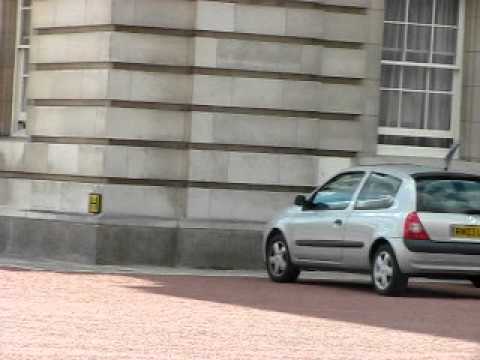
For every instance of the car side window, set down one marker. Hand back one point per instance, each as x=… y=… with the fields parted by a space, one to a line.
x=378 y=193
x=337 y=193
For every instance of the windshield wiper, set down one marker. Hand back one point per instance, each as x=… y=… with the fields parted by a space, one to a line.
x=472 y=212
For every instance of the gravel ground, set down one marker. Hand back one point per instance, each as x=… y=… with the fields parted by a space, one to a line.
x=58 y=315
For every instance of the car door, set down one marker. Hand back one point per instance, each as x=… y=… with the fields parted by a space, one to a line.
x=374 y=213
x=318 y=230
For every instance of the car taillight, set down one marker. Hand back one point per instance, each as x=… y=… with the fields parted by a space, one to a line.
x=414 y=229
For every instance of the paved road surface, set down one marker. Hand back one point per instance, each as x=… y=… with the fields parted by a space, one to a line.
x=52 y=315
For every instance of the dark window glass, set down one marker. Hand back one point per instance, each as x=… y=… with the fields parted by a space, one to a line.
x=338 y=193
x=441 y=80
x=389 y=106
x=413 y=110
x=391 y=76
x=418 y=43
x=393 y=42
x=446 y=12
x=378 y=192
x=440 y=108
x=415 y=78
x=395 y=10
x=420 y=11
x=448 y=195
x=444 y=46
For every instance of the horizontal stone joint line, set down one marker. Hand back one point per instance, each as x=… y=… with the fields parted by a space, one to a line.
x=154 y=182
x=182 y=145
x=70 y=102
x=189 y=107
x=197 y=70
x=349 y=9
x=198 y=33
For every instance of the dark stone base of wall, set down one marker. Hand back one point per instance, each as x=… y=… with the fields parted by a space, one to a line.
x=122 y=245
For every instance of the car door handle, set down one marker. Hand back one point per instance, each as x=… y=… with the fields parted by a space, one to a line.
x=338 y=222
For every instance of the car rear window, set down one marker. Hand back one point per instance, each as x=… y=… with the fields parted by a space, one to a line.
x=448 y=194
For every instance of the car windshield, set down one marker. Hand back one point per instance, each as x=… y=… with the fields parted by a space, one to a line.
x=449 y=195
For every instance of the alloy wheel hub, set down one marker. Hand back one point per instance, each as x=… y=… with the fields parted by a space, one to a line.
x=277 y=261
x=383 y=270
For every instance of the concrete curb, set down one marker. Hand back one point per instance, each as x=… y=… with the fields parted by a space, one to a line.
x=75 y=268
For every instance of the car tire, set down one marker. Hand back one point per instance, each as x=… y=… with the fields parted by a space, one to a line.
x=387 y=278
x=279 y=266
x=475 y=281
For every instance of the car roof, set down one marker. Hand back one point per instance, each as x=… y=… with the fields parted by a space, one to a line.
x=401 y=170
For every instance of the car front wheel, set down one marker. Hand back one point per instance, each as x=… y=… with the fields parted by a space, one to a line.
x=279 y=266
x=387 y=277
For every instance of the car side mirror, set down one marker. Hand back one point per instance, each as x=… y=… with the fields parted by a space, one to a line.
x=300 y=200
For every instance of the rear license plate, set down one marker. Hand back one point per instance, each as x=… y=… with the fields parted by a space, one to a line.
x=466 y=232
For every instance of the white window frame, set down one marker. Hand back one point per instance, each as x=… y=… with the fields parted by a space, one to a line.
x=456 y=92
x=19 y=83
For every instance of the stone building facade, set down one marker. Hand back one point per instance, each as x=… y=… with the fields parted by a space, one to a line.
x=197 y=120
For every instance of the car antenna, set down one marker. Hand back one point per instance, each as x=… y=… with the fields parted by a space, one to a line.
x=450 y=155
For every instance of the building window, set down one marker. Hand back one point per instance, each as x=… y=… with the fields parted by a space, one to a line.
x=421 y=72
x=22 y=68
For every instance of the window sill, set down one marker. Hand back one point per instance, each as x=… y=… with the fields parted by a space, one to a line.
x=416 y=151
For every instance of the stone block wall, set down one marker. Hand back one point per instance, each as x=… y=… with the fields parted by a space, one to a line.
x=198 y=112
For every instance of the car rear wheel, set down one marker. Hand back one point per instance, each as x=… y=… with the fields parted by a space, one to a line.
x=279 y=266
x=476 y=281
x=387 y=277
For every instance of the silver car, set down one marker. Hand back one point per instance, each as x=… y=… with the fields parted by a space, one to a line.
x=392 y=221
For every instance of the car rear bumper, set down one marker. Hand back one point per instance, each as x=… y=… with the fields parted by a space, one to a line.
x=438 y=258
x=437 y=247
